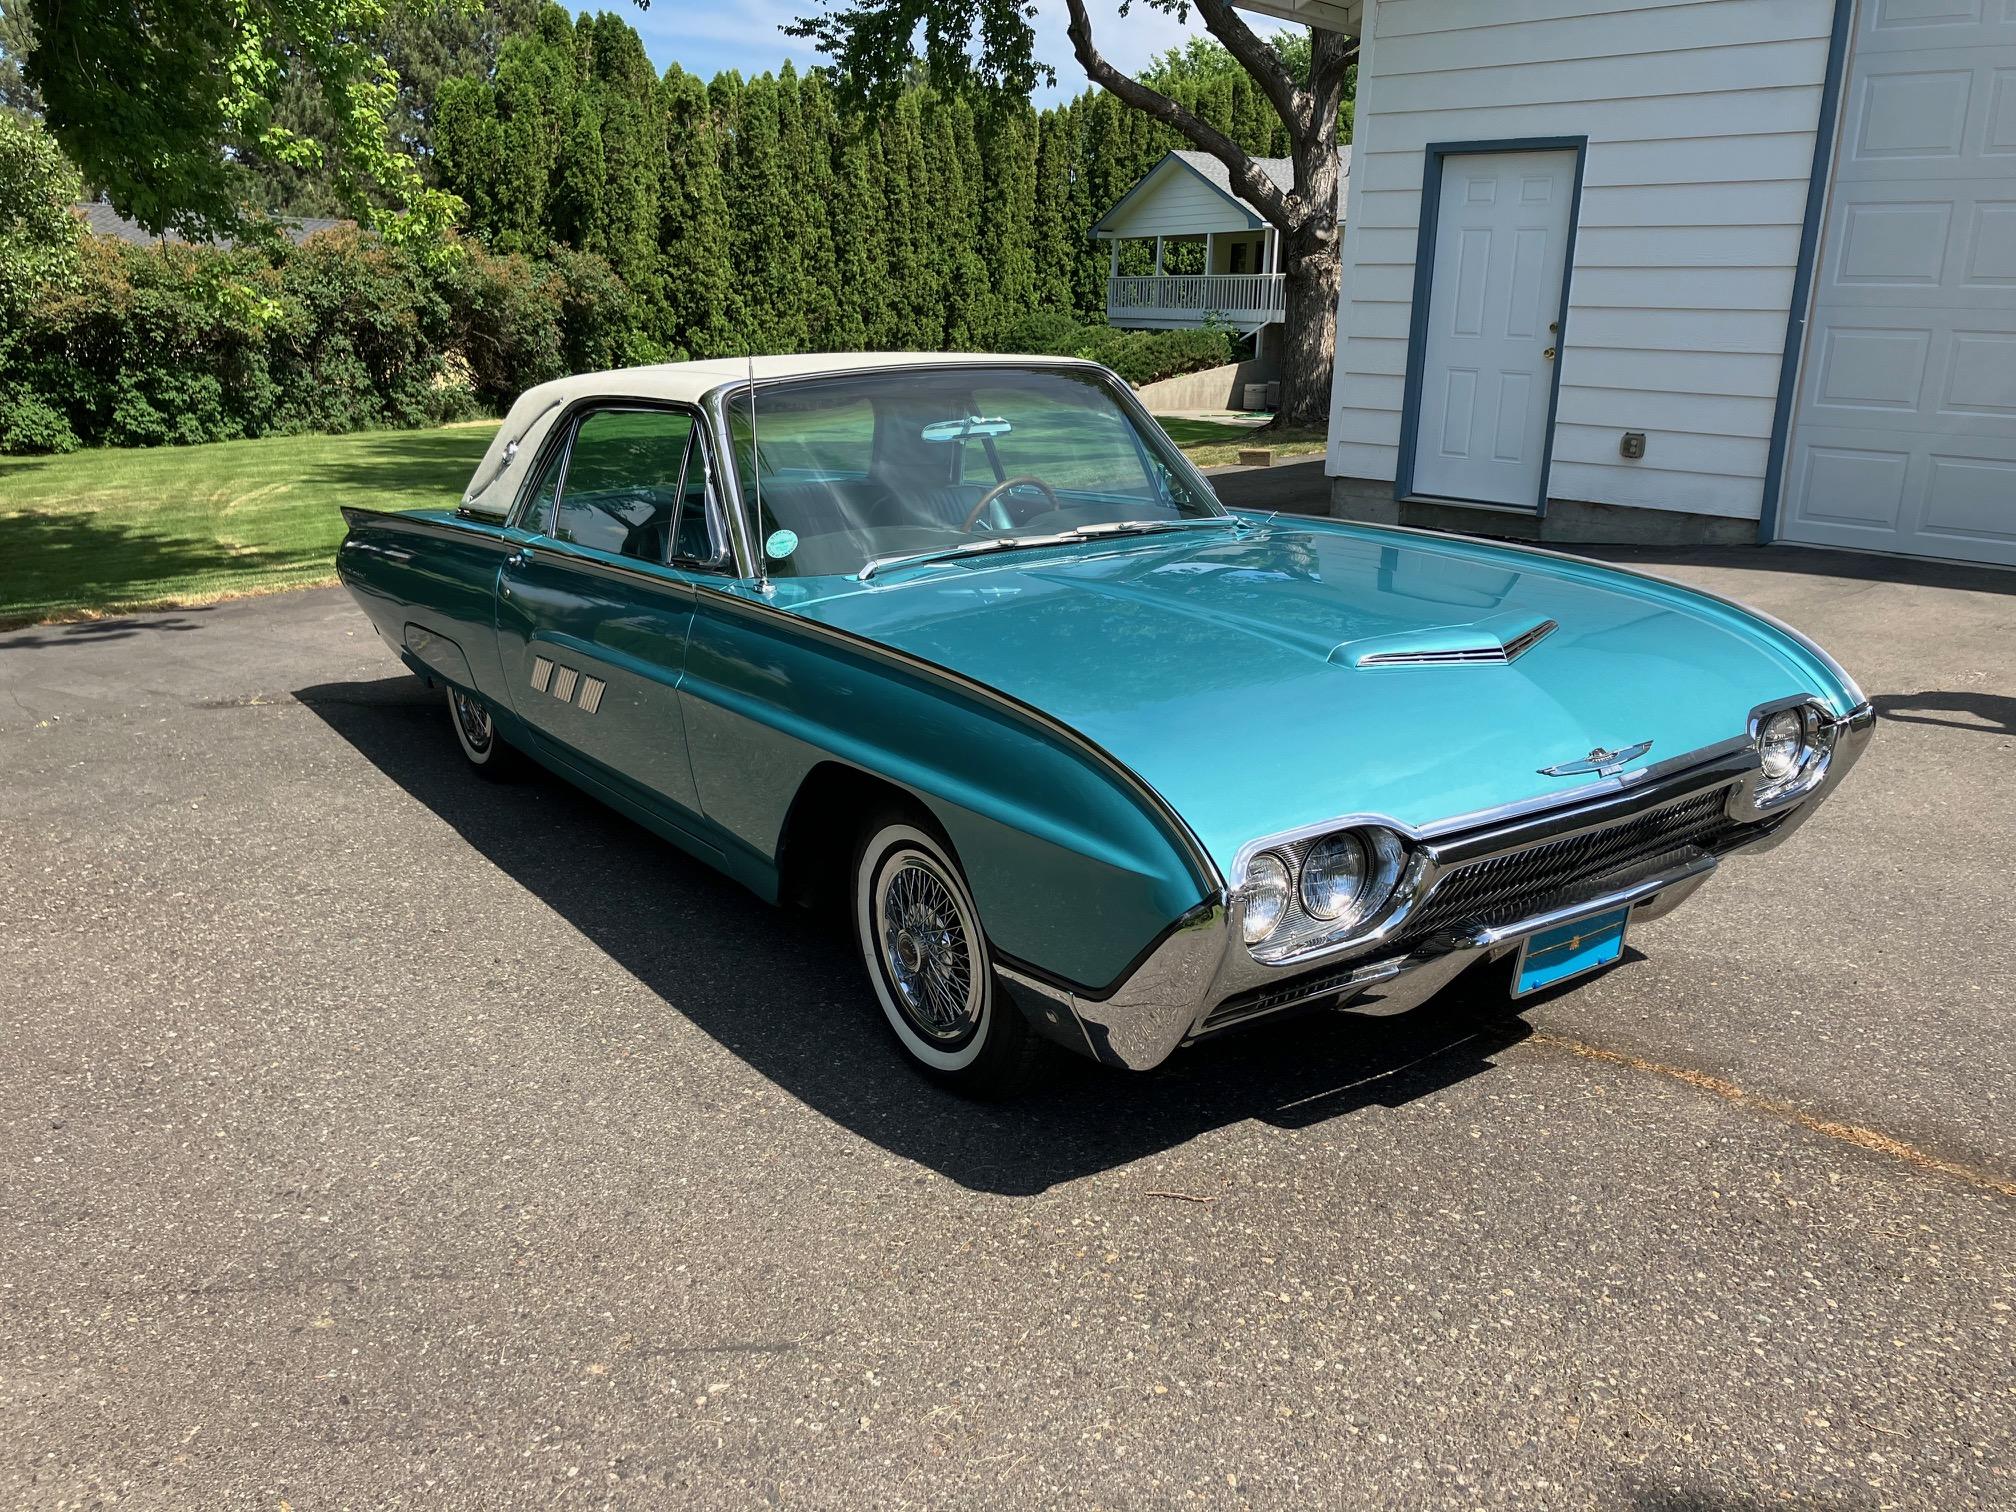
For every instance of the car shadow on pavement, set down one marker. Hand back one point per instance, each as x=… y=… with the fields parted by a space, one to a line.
x=783 y=990
x=1984 y=713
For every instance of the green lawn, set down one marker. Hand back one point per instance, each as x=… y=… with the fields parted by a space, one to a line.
x=102 y=532
x=1213 y=443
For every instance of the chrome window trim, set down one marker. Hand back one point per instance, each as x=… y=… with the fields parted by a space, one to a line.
x=561 y=437
x=558 y=450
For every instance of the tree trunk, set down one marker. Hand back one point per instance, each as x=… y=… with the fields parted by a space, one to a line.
x=1309 y=336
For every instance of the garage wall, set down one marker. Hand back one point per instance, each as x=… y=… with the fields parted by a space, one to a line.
x=1700 y=117
x=1904 y=438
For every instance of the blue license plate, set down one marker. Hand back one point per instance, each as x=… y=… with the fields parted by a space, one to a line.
x=1568 y=950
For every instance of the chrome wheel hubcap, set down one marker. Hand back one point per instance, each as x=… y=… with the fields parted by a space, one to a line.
x=475 y=723
x=927 y=939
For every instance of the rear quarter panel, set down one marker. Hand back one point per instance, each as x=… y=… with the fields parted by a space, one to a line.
x=427 y=578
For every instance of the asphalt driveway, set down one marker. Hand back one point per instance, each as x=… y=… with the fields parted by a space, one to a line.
x=371 y=1136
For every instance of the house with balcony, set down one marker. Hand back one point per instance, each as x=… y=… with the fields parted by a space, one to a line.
x=1186 y=250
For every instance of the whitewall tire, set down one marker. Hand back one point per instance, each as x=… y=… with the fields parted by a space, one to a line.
x=476 y=733
x=929 y=963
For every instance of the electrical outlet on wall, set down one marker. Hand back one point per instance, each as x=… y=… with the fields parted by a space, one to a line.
x=1633 y=445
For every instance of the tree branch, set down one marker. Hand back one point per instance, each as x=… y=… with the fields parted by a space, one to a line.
x=1259 y=60
x=1331 y=55
x=1251 y=184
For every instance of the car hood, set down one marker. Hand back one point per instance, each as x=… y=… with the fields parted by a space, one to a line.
x=1225 y=666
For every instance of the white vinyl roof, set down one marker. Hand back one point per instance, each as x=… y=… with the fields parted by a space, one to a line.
x=494 y=483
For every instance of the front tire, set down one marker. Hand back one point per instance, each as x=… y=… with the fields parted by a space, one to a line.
x=476 y=733
x=930 y=965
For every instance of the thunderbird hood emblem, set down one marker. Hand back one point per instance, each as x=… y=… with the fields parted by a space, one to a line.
x=1599 y=761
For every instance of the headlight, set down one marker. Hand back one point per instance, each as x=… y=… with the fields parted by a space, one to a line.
x=1267 y=891
x=1348 y=876
x=1781 y=744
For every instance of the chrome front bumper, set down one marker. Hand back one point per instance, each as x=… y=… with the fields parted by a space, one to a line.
x=1200 y=981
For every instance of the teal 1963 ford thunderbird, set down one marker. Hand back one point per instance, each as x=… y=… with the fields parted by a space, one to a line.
x=965 y=647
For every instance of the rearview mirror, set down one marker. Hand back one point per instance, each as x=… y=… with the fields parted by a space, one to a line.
x=960 y=430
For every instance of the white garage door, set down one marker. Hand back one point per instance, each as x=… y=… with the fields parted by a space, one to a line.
x=1904 y=438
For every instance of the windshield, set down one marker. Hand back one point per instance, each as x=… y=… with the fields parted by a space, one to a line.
x=862 y=469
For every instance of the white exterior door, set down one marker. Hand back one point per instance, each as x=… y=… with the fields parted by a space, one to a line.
x=1904 y=438
x=1487 y=371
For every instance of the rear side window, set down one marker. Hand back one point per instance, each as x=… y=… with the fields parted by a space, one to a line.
x=625 y=480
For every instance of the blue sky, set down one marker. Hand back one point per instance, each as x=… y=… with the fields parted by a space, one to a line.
x=705 y=39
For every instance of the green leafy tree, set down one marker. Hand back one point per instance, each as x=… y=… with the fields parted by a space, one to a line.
x=990 y=45
x=38 y=234
x=17 y=41
x=155 y=103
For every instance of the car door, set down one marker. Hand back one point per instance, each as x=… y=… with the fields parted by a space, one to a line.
x=595 y=604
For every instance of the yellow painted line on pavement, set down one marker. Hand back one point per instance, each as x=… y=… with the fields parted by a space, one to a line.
x=1847 y=1133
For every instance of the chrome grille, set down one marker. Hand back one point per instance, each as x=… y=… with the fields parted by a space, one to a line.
x=1501 y=889
x=1309 y=987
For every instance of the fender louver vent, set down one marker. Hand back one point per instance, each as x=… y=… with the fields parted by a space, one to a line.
x=1494 y=653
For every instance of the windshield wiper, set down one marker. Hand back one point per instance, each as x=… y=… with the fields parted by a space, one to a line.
x=1145 y=527
x=990 y=544
x=980 y=547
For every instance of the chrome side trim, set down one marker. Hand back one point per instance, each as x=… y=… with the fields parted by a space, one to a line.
x=592 y=689
x=542 y=673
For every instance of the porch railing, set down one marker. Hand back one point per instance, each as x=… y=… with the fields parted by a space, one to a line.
x=1242 y=298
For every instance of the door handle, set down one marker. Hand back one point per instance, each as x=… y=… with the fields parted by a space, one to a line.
x=1548 y=354
x=519 y=558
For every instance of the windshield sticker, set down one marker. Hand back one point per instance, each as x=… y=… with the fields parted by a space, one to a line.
x=781 y=544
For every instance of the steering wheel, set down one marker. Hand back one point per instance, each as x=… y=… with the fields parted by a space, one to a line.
x=1001 y=488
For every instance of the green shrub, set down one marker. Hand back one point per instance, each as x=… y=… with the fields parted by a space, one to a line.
x=1138 y=356
x=29 y=423
x=174 y=345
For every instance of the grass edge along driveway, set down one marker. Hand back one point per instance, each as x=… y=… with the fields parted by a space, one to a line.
x=112 y=530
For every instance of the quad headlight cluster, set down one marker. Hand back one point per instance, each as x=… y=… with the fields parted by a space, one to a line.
x=1320 y=889
x=1792 y=750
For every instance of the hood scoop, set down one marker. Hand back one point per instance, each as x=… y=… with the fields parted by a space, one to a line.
x=1486 y=643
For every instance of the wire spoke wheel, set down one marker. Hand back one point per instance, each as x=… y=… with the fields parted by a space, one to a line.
x=473 y=720
x=930 y=963
x=927 y=936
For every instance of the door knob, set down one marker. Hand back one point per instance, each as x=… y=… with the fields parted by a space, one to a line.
x=1548 y=354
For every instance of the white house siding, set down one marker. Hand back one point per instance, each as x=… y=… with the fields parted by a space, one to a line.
x=1177 y=203
x=1700 y=117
